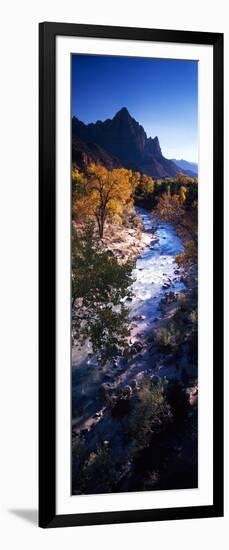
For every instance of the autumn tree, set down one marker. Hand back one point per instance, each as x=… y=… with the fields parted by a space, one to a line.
x=146 y=185
x=182 y=192
x=135 y=179
x=106 y=194
x=183 y=178
x=78 y=184
x=172 y=209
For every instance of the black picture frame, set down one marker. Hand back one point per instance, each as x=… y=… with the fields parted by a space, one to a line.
x=47 y=274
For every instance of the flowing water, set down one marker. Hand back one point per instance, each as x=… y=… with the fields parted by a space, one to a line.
x=156 y=273
x=156 y=268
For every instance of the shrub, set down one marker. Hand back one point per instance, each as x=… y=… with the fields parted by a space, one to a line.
x=150 y=413
x=167 y=336
x=95 y=473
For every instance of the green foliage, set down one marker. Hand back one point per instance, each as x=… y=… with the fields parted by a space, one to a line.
x=99 y=285
x=167 y=337
x=179 y=333
x=149 y=415
x=151 y=192
x=95 y=472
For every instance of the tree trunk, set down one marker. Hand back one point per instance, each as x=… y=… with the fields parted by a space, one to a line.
x=101 y=229
x=101 y=225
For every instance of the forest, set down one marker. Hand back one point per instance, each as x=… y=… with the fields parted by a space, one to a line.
x=134 y=330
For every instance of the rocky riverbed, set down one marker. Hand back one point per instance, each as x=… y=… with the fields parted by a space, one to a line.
x=128 y=242
x=157 y=280
x=158 y=284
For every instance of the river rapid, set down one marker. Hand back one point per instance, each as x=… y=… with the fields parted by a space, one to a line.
x=156 y=268
x=156 y=273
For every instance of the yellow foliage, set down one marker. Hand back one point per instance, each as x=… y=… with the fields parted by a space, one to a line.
x=170 y=207
x=77 y=176
x=182 y=178
x=147 y=184
x=182 y=192
x=135 y=179
x=107 y=193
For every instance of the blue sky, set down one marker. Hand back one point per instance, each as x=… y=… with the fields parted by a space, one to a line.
x=161 y=94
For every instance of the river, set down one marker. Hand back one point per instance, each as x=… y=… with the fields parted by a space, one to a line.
x=156 y=269
x=156 y=273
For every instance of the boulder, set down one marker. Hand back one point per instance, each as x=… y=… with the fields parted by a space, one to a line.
x=136 y=347
x=166 y=285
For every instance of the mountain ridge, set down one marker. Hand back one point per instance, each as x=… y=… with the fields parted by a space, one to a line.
x=190 y=168
x=119 y=142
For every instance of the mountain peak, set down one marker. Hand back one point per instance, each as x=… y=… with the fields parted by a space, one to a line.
x=123 y=113
x=153 y=147
x=120 y=141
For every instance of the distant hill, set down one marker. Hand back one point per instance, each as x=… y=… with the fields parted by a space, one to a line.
x=191 y=168
x=120 y=141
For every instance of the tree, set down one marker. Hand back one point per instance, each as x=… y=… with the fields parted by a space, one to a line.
x=106 y=194
x=135 y=180
x=147 y=185
x=78 y=184
x=183 y=178
x=192 y=197
x=96 y=473
x=99 y=286
x=189 y=256
x=172 y=209
x=182 y=192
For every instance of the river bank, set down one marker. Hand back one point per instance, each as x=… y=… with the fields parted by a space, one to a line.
x=102 y=397
x=128 y=241
x=157 y=290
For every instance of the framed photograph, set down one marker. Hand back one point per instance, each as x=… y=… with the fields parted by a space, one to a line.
x=131 y=275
